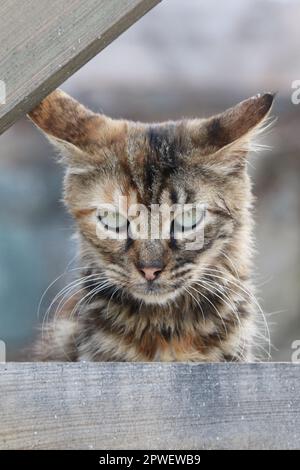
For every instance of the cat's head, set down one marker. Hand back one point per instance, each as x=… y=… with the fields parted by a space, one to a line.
x=155 y=204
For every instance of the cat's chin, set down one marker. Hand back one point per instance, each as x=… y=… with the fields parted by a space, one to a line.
x=158 y=297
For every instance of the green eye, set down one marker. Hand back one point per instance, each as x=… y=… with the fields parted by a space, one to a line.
x=114 y=221
x=188 y=219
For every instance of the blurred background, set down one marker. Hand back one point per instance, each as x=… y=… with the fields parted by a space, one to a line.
x=184 y=58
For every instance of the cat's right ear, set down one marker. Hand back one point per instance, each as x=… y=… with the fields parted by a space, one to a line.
x=77 y=132
x=235 y=127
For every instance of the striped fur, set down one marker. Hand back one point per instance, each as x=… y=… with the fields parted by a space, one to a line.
x=202 y=306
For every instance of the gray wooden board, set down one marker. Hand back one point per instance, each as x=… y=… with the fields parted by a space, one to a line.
x=44 y=42
x=149 y=406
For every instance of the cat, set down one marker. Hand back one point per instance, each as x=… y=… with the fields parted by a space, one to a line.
x=167 y=298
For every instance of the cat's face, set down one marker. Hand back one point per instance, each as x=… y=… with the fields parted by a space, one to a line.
x=155 y=204
x=154 y=267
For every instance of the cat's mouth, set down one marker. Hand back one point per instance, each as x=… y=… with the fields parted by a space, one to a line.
x=153 y=292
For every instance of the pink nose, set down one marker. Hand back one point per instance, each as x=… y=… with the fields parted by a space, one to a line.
x=150 y=273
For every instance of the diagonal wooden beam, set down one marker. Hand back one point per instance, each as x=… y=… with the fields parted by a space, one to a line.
x=44 y=42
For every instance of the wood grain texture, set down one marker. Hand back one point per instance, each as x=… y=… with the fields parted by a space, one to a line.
x=44 y=42
x=149 y=406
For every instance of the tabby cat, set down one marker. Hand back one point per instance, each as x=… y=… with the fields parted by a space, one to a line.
x=161 y=298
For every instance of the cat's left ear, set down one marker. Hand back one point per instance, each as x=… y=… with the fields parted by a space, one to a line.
x=229 y=135
x=76 y=131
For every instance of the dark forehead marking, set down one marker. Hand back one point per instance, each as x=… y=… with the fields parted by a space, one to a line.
x=165 y=148
x=164 y=144
x=173 y=195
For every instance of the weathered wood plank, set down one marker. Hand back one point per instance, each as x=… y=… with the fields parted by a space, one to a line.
x=44 y=42
x=151 y=406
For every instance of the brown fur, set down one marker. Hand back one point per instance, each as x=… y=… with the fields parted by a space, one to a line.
x=203 y=308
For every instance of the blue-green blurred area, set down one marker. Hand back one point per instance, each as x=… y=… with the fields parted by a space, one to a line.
x=188 y=58
x=33 y=237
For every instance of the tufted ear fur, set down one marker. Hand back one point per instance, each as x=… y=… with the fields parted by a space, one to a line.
x=76 y=131
x=226 y=138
